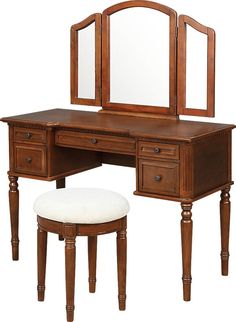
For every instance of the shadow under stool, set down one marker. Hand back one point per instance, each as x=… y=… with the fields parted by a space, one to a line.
x=81 y=212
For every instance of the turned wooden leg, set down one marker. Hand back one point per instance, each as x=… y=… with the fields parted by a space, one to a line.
x=121 y=266
x=14 y=215
x=61 y=183
x=70 y=276
x=186 y=238
x=92 y=262
x=42 y=256
x=225 y=225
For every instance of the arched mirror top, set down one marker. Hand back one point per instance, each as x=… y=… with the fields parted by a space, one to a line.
x=145 y=4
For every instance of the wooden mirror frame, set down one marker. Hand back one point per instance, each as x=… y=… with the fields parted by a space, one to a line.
x=113 y=106
x=74 y=60
x=182 y=37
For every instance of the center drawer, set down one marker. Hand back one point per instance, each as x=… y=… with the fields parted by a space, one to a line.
x=98 y=142
x=159 y=177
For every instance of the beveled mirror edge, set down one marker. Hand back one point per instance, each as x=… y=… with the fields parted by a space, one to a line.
x=97 y=18
x=185 y=20
x=113 y=106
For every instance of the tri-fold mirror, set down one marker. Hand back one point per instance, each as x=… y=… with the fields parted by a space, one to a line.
x=126 y=60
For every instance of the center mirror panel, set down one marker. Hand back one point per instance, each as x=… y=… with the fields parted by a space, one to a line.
x=139 y=57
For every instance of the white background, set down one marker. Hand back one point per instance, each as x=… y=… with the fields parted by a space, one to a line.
x=34 y=75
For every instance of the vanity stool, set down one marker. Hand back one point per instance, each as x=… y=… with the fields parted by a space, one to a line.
x=81 y=212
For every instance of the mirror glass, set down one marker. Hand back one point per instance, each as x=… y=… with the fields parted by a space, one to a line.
x=139 y=57
x=196 y=67
x=86 y=62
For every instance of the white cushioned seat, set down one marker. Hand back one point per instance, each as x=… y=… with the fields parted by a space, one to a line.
x=81 y=205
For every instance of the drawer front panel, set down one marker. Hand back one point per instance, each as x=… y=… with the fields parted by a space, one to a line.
x=159 y=177
x=29 y=135
x=96 y=142
x=30 y=159
x=158 y=150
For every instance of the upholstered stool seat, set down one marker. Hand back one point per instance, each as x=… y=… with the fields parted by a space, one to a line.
x=81 y=212
x=81 y=205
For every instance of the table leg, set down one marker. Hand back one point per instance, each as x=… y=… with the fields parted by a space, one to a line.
x=186 y=238
x=61 y=183
x=225 y=225
x=14 y=215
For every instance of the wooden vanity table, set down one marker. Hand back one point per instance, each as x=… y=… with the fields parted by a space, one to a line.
x=174 y=159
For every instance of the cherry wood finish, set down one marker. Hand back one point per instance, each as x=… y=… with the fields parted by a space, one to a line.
x=69 y=231
x=225 y=225
x=42 y=237
x=14 y=215
x=186 y=239
x=98 y=142
x=136 y=108
x=75 y=99
x=92 y=262
x=60 y=184
x=175 y=160
x=182 y=39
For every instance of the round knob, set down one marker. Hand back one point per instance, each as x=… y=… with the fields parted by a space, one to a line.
x=157 y=150
x=157 y=178
x=28 y=160
x=28 y=135
x=93 y=141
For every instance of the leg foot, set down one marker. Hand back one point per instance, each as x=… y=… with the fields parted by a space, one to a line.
x=42 y=256
x=92 y=262
x=121 y=265
x=186 y=238
x=14 y=215
x=225 y=226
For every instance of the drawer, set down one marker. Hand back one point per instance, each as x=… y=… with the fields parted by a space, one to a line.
x=159 y=177
x=158 y=150
x=98 y=142
x=29 y=135
x=30 y=159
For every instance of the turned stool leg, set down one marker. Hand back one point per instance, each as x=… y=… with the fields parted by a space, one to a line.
x=121 y=265
x=92 y=262
x=225 y=225
x=42 y=256
x=61 y=183
x=70 y=253
x=14 y=215
x=186 y=237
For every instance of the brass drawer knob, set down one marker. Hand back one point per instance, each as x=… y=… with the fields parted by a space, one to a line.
x=28 y=160
x=157 y=178
x=157 y=150
x=27 y=135
x=94 y=141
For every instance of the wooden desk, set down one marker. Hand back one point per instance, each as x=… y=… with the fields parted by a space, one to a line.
x=175 y=160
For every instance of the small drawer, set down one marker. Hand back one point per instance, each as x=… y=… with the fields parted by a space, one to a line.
x=98 y=142
x=29 y=135
x=30 y=159
x=159 y=177
x=158 y=150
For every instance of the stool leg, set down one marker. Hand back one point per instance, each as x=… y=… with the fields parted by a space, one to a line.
x=121 y=266
x=42 y=255
x=70 y=254
x=92 y=262
x=60 y=184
